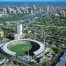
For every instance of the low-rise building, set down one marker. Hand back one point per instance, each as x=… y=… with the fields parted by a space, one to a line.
x=1 y=33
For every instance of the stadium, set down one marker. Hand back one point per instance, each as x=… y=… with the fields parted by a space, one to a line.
x=24 y=49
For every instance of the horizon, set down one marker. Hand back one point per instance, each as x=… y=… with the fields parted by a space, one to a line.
x=32 y=0
x=35 y=1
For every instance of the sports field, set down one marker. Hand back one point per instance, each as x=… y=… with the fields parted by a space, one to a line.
x=20 y=49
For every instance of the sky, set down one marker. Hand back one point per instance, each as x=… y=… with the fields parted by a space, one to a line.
x=37 y=0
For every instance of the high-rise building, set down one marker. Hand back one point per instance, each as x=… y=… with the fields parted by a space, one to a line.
x=34 y=8
x=30 y=10
x=4 y=10
x=19 y=29
x=9 y=10
x=48 y=9
x=18 y=34
x=63 y=12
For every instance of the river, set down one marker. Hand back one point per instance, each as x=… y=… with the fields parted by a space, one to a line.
x=33 y=15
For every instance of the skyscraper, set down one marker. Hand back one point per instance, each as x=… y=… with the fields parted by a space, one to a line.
x=19 y=29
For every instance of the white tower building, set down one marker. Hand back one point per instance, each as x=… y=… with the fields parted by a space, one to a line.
x=19 y=29
x=18 y=34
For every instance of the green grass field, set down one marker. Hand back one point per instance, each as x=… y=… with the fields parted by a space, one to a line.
x=12 y=17
x=20 y=49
